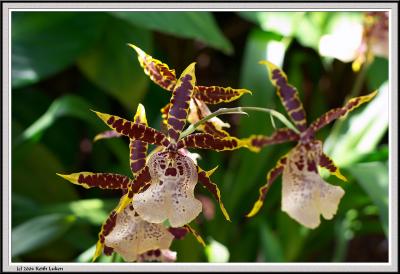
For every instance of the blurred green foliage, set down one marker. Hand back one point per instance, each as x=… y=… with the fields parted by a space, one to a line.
x=65 y=63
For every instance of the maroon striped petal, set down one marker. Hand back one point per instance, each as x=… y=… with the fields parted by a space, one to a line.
x=271 y=176
x=204 y=179
x=106 y=228
x=337 y=113
x=195 y=234
x=282 y=135
x=215 y=95
x=134 y=131
x=208 y=141
x=326 y=162
x=100 y=180
x=288 y=95
x=164 y=113
x=180 y=100
x=158 y=72
x=137 y=148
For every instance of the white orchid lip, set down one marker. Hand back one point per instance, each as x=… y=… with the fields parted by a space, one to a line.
x=171 y=193
x=305 y=195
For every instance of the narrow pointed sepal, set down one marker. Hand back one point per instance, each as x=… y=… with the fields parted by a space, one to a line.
x=214 y=95
x=271 y=177
x=180 y=101
x=195 y=234
x=100 y=180
x=137 y=148
x=158 y=72
x=256 y=142
x=288 y=94
x=106 y=135
x=208 y=141
x=204 y=179
x=134 y=131
x=336 y=113
x=326 y=162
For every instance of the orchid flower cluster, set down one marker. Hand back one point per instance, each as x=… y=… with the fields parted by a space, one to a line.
x=158 y=204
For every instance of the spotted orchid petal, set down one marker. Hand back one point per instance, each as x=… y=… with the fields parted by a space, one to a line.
x=158 y=255
x=208 y=141
x=199 y=110
x=282 y=135
x=337 y=113
x=288 y=95
x=100 y=180
x=180 y=100
x=271 y=177
x=204 y=179
x=133 y=130
x=214 y=95
x=305 y=195
x=326 y=162
x=158 y=72
x=132 y=236
x=137 y=148
x=171 y=192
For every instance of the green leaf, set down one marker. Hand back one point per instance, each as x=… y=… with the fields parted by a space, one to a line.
x=194 y=25
x=374 y=179
x=377 y=73
x=270 y=243
x=113 y=66
x=72 y=106
x=44 y=43
x=361 y=132
x=38 y=232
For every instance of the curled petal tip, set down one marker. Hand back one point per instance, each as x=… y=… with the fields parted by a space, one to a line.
x=246 y=91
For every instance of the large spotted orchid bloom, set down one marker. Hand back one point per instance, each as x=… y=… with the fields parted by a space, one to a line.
x=305 y=195
x=164 y=188
x=165 y=77
x=124 y=231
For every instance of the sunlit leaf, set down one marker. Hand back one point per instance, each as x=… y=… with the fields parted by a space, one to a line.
x=38 y=232
x=44 y=43
x=374 y=179
x=112 y=66
x=194 y=25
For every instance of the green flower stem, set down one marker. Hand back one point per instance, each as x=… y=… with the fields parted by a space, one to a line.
x=238 y=110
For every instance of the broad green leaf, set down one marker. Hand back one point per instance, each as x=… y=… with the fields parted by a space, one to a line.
x=113 y=66
x=34 y=176
x=361 y=132
x=44 y=43
x=38 y=232
x=374 y=179
x=72 y=106
x=377 y=73
x=216 y=252
x=271 y=244
x=195 y=25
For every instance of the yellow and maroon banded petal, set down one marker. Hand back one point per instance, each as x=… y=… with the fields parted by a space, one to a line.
x=282 y=135
x=204 y=179
x=134 y=131
x=326 y=162
x=158 y=72
x=140 y=183
x=100 y=180
x=271 y=176
x=339 y=112
x=138 y=149
x=180 y=100
x=106 y=135
x=106 y=228
x=195 y=234
x=199 y=110
x=207 y=141
x=288 y=95
x=215 y=95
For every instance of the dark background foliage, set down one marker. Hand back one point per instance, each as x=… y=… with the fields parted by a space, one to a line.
x=65 y=63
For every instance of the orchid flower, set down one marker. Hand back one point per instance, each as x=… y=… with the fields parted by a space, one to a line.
x=165 y=77
x=125 y=231
x=305 y=195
